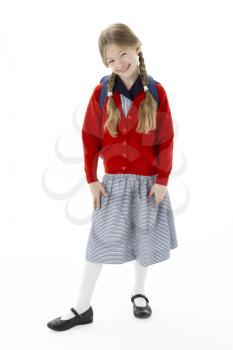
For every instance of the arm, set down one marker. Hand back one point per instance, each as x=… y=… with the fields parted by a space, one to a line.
x=91 y=135
x=164 y=138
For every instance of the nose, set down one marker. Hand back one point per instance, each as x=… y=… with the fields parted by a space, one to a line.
x=121 y=65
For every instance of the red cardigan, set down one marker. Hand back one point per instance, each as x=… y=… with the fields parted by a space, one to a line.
x=129 y=152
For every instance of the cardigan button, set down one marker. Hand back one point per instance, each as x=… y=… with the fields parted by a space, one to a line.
x=124 y=155
x=124 y=142
x=123 y=167
x=124 y=130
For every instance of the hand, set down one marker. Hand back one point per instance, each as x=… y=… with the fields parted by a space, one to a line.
x=97 y=189
x=159 y=191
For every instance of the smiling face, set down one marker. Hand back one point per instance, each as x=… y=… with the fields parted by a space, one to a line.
x=122 y=60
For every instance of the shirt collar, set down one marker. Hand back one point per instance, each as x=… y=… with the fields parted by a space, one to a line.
x=132 y=92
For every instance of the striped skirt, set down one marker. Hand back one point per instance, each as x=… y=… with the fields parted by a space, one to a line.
x=129 y=225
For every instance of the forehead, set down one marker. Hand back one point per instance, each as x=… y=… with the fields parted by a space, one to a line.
x=113 y=50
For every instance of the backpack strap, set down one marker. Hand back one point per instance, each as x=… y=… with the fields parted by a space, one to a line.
x=103 y=92
x=152 y=86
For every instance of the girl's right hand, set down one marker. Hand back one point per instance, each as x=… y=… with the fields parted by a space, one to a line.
x=97 y=189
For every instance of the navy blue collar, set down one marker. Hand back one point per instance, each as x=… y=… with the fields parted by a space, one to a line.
x=132 y=92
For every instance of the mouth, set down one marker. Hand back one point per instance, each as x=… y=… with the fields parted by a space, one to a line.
x=124 y=70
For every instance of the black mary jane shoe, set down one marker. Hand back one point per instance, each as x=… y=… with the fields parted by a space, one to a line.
x=57 y=324
x=141 y=311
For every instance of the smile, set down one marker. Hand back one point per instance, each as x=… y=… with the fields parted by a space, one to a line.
x=125 y=69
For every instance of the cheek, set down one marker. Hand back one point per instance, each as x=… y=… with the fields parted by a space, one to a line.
x=112 y=65
x=126 y=60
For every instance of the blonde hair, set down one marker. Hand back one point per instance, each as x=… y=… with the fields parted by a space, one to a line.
x=121 y=34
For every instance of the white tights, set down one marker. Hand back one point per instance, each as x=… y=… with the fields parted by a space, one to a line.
x=90 y=275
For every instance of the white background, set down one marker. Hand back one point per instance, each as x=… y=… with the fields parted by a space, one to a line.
x=50 y=64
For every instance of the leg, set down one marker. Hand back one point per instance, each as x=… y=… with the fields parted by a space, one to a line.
x=139 y=286
x=90 y=275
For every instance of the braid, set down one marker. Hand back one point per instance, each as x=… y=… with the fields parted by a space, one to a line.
x=142 y=69
x=148 y=107
x=111 y=82
x=114 y=114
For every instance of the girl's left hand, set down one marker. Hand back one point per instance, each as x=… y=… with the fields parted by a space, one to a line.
x=159 y=191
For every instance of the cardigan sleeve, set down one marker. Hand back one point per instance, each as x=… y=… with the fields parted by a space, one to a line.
x=91 y=135
x=164 y=138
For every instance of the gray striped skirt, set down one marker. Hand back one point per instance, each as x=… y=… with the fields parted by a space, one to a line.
x=129 y=225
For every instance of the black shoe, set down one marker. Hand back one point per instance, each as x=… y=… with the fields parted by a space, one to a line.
x=141 y=311
x=61 y=325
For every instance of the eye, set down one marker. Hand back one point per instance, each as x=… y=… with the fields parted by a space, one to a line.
x=113 y=60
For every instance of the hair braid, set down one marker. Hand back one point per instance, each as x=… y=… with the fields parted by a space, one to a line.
x=142 y=68
x=113 y=111
x=148 y=107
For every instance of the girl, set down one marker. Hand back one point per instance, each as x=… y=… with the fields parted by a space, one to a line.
x=132 y=215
